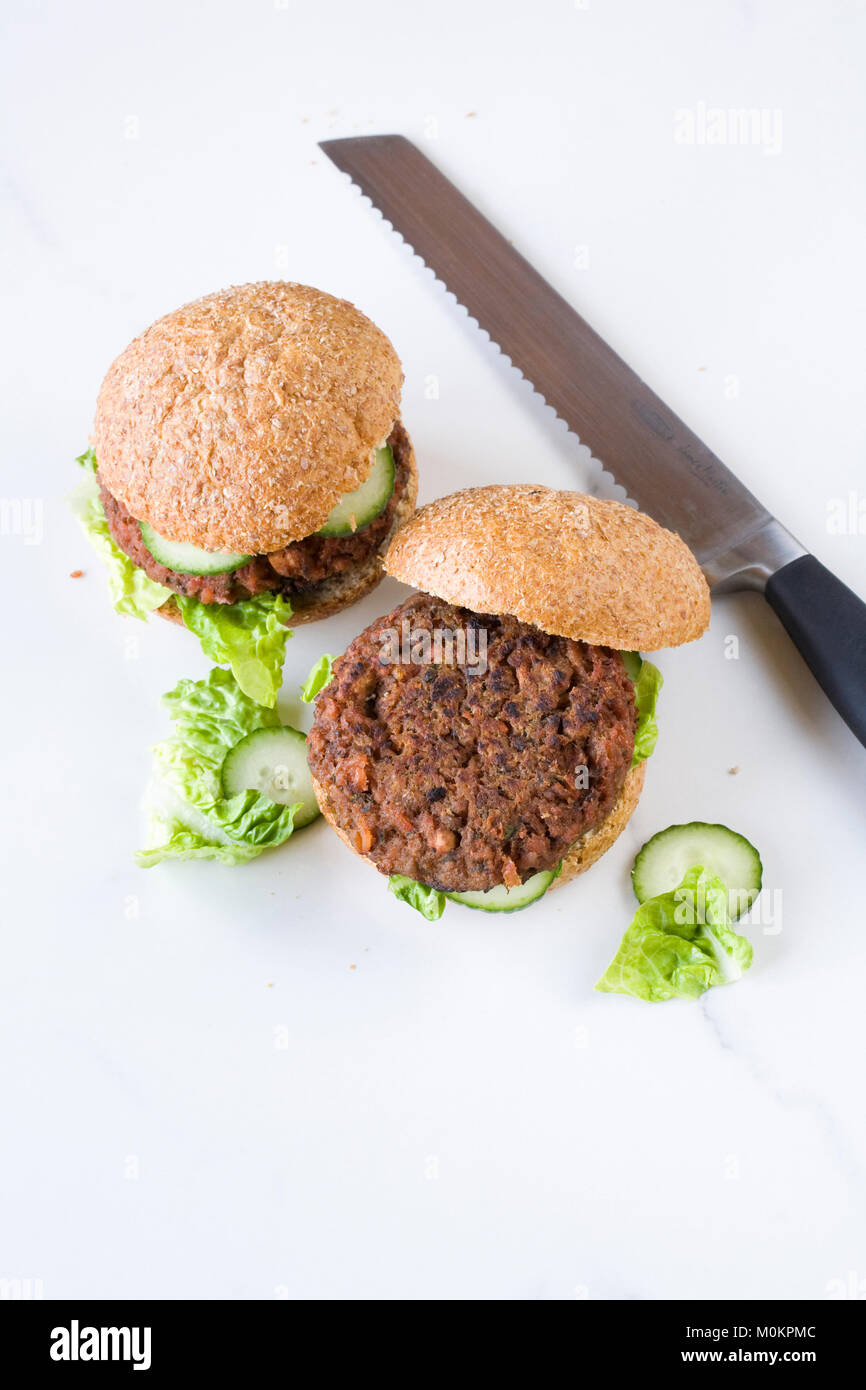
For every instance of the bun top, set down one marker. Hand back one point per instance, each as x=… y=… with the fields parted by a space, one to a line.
x=572 y=565
x=238 y=421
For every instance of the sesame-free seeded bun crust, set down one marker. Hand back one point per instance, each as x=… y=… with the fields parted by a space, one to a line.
x=573 y=565
x=583 y=853
x=596 y=841
x=238 y=421
x=332 y=595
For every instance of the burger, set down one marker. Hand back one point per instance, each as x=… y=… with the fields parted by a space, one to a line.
x=488 y=738
x=250 y=466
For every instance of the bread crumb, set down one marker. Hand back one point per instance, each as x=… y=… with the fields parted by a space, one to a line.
x=732 y=771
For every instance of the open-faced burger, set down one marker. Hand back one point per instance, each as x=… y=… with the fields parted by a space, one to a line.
x=488 y=737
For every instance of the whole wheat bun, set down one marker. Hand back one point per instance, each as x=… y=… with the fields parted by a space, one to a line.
x=597 y=841
x=575 y=566
x=238 y=421
x=342 y=590
x=583 y=853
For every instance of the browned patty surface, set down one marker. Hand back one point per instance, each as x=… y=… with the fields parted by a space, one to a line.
x=297 y=567
x=465 y=781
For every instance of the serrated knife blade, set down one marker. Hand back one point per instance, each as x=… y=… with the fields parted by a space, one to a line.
x=662 y=464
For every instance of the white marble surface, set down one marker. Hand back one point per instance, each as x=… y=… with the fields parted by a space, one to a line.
x=201 y=1095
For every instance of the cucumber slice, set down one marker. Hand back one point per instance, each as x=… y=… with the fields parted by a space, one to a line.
x=189 y=559
x=502 y=899
x=663 y=860
x=359 y=508
x=273 y=762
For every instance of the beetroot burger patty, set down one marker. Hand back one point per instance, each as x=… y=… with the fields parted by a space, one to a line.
x=298 y=566
x=465 y=776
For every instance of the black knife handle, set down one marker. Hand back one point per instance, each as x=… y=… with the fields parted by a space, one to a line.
x=828 y=624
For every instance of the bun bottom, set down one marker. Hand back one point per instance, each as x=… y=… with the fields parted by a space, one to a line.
x=170 y=611
x=333 y=595
x=583 y=853
x=597 y=841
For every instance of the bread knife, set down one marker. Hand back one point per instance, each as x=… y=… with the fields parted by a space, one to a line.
x=660 y=462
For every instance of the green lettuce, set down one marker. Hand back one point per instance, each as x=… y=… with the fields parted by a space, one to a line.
x=189 y=817
x=87 y=461
x=679 y=944
x=427 y=901
x=170 y=838
x=132 y=592
x=647 y=680
x=249 y=637
x=319 y=677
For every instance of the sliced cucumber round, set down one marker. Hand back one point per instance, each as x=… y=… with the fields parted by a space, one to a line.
x=359 y=508
x=190 y=559
x=502 y=899
x=273 y=762
x=666 y=858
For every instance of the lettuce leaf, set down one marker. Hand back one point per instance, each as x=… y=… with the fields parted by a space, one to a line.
x=189 y=817
x=249 y=637
x=428 y=901
x=132 y=592
x=648 y=681
x=169 y=838
x=679 y=944
x=319 y=677
x=87 y=461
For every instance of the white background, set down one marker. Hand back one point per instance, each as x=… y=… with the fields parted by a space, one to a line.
x=276 y=1079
